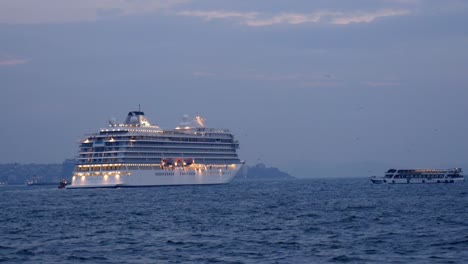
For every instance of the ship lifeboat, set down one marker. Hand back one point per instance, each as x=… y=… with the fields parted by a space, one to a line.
x=179 y=162
x=188 y=161
x=167 y=162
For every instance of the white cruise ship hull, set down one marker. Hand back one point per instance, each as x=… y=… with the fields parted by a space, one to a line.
x=143 y=178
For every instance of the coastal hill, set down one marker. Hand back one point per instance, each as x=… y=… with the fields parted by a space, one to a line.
x=17 y=173
x=261 y=172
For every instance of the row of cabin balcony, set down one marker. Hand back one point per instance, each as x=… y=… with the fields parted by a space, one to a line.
x=136 y=152
x=118 y=142
x=149 y=155
x=187 y=138
x=145 y=149
x=176 y=140
x=155 y=146
x=168 y=155
x=178 y=130
x=125 y=166
x=158 y=148
x=127 y=161
x=124 y=154
x=153 y=150
x=164 y=136
x=160 y=155
x=115 y=159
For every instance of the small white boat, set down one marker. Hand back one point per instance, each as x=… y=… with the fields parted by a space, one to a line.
x=408 y=176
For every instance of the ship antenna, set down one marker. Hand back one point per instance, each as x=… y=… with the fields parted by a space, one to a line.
x=139 y=110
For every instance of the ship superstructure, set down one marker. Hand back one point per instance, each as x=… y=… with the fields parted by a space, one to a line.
x=136 y=153
x=420 y=176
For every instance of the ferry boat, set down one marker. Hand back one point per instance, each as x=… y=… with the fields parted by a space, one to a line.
x=420 y=176
x=136 y=153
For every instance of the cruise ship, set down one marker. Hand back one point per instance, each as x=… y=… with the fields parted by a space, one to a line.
x=136 y=153
x=420 y=176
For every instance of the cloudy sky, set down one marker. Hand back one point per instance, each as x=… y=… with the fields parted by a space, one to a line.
x=310 y=87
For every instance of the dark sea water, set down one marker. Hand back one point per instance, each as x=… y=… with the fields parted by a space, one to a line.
x=303 y=221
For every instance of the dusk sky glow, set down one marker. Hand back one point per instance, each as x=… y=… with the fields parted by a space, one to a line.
x=305 y=86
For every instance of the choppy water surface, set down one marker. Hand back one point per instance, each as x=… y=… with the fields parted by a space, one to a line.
x=304 y=221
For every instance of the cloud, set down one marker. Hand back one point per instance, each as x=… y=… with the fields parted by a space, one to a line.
x=12 y=62
x=382 y=84
x=279 y=77
x=209 y=15
x=292 y=19
x=254 y=19
x=404 y=1
x=321 y=84
x=63 y=11
x=66 y=11
x=203 y=74
x=365 y=17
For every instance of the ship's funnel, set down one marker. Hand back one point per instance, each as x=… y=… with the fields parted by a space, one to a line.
x=136 y=118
